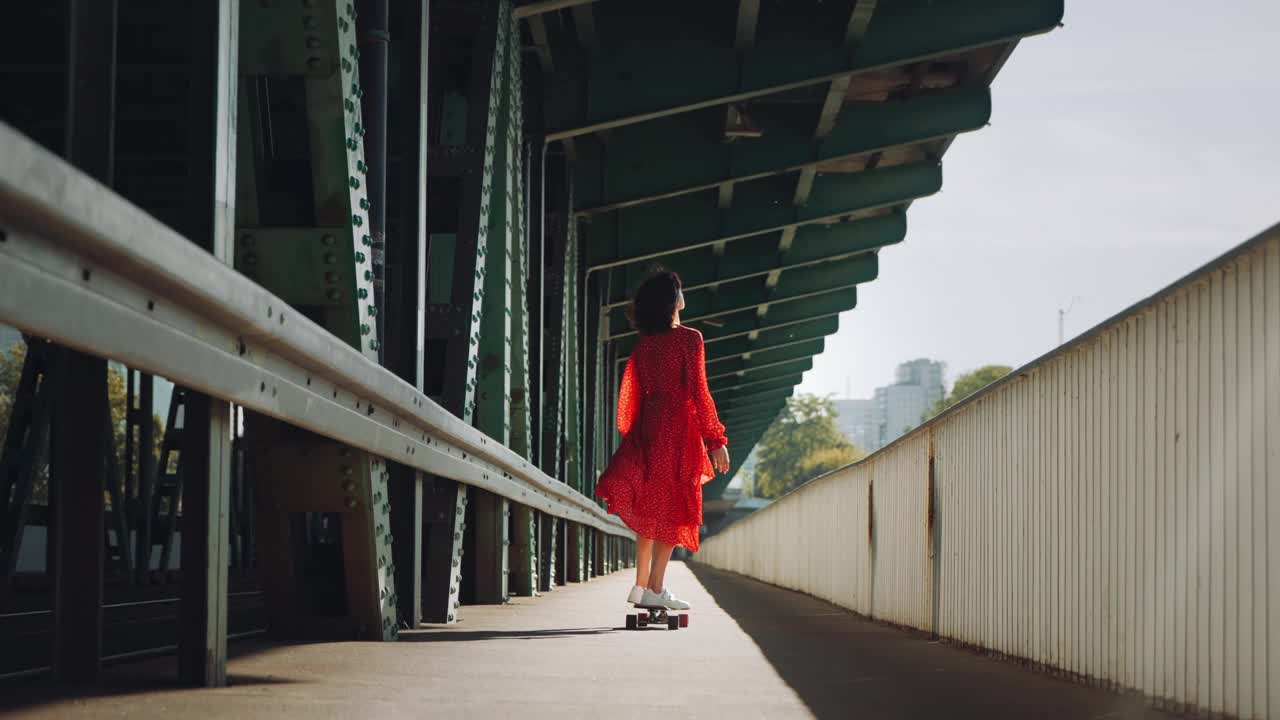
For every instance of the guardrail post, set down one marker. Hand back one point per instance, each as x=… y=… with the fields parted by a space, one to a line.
x=208 y=428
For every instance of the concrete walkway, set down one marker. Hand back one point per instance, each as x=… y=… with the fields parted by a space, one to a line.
x=751 y=651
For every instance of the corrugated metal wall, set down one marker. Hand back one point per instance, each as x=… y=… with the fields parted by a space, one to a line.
x=1103 y=511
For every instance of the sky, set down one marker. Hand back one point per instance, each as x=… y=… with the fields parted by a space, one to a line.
x=1125 y=150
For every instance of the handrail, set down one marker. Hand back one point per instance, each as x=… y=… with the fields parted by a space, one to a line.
x=163 y=305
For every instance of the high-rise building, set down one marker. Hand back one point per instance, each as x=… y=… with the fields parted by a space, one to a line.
x=895 y=409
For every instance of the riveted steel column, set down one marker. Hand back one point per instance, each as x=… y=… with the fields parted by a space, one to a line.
x=323 y=509
x=459 y=241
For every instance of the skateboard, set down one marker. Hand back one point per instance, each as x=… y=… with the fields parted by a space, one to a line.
x=656 y=615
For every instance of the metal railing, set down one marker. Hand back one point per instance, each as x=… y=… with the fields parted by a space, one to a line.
x=86 y=269
x=1103 y=511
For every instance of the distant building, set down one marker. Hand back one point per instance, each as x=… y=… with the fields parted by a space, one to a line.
x=895 y=409
x=860 y=421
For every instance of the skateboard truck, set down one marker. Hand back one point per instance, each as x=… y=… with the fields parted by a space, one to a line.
x=656 y=616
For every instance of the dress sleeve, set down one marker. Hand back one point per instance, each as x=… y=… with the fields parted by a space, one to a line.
x=628 y=397
x=709 y=425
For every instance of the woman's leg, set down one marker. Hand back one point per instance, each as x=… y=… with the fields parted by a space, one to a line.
x=644 y=558
x=661 y=555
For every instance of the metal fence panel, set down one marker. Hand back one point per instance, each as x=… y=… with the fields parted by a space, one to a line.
x=1102 y=511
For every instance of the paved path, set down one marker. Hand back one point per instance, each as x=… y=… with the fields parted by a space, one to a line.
x=752 y=651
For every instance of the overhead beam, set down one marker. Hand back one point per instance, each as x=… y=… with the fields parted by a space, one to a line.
x=904 y=32
x=766 y=358
x=813 y=283
x=755 y=397
x=760 y=412
x=757 y=256
x=785 y=315
x=720 y=352
x=655 y=161
x=764 y=399
x=761 y=375
x=684 y=223
x=735 y=392
x=533 y=9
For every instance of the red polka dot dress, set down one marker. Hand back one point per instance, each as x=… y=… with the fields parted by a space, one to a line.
x=669 y=424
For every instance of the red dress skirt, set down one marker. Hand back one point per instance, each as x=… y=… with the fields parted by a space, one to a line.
x=669 y=423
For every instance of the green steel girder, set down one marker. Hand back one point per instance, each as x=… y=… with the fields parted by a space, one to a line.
x=760 y=255
x=678 y=155
x=686 y=222
x=776 y=337
x=769 y=373
x=771 y=402
x=755 y=399
x=754 y=293
x=741 y=390
x=765 y=358
x=626 y=82
x=746 y=415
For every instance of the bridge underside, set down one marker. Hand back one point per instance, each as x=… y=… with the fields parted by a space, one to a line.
x=366 y=263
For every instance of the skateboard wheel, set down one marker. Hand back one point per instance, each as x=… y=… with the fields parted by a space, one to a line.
x=642 y=620
x=631 y=622
x=684 y=621
x=673 y=622
x=644 y=616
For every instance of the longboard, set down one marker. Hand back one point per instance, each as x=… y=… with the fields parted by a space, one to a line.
x=657 y=615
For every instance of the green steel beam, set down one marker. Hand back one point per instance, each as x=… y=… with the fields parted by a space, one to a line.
x=766 y=358
x=739 y=416
x=730 y=360
x=769 y=373
x=735 y=392
x=759 y=255
x=686 y=222
x=669 y=157
x=795 y=287
x=755 y=400
x=775 y=337
x=611 y=88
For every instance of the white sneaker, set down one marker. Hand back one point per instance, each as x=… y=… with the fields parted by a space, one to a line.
x=671 y=601
x=637 y=594
x=651 y=599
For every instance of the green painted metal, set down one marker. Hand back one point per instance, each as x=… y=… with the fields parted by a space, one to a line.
x=669 y=157
x=759 y=255
x=754 y=400
x=323 y=267
x=739 y=391
x=305 y=267
x=490 y=555
x=796 y=287
x=630 y=82
x=766 y=358
x=770 y=373
x=783 y=337
x=762 y=206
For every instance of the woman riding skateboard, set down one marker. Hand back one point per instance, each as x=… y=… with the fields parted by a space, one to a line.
x=669 y=425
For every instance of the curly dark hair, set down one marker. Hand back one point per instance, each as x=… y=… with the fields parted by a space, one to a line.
x=653 y=307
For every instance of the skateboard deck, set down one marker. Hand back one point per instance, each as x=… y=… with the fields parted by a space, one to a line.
x=657 y=615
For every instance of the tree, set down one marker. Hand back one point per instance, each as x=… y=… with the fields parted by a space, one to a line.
x=11 y=363
x=969 y=384
x=800 y=445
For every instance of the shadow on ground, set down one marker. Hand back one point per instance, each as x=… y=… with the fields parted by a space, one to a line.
x=446 y=636
x=842 y=665
x=144 y=677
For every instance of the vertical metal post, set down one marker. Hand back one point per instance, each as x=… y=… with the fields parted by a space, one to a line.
x=406 y=287
x=207 y=425
x=80 y=439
